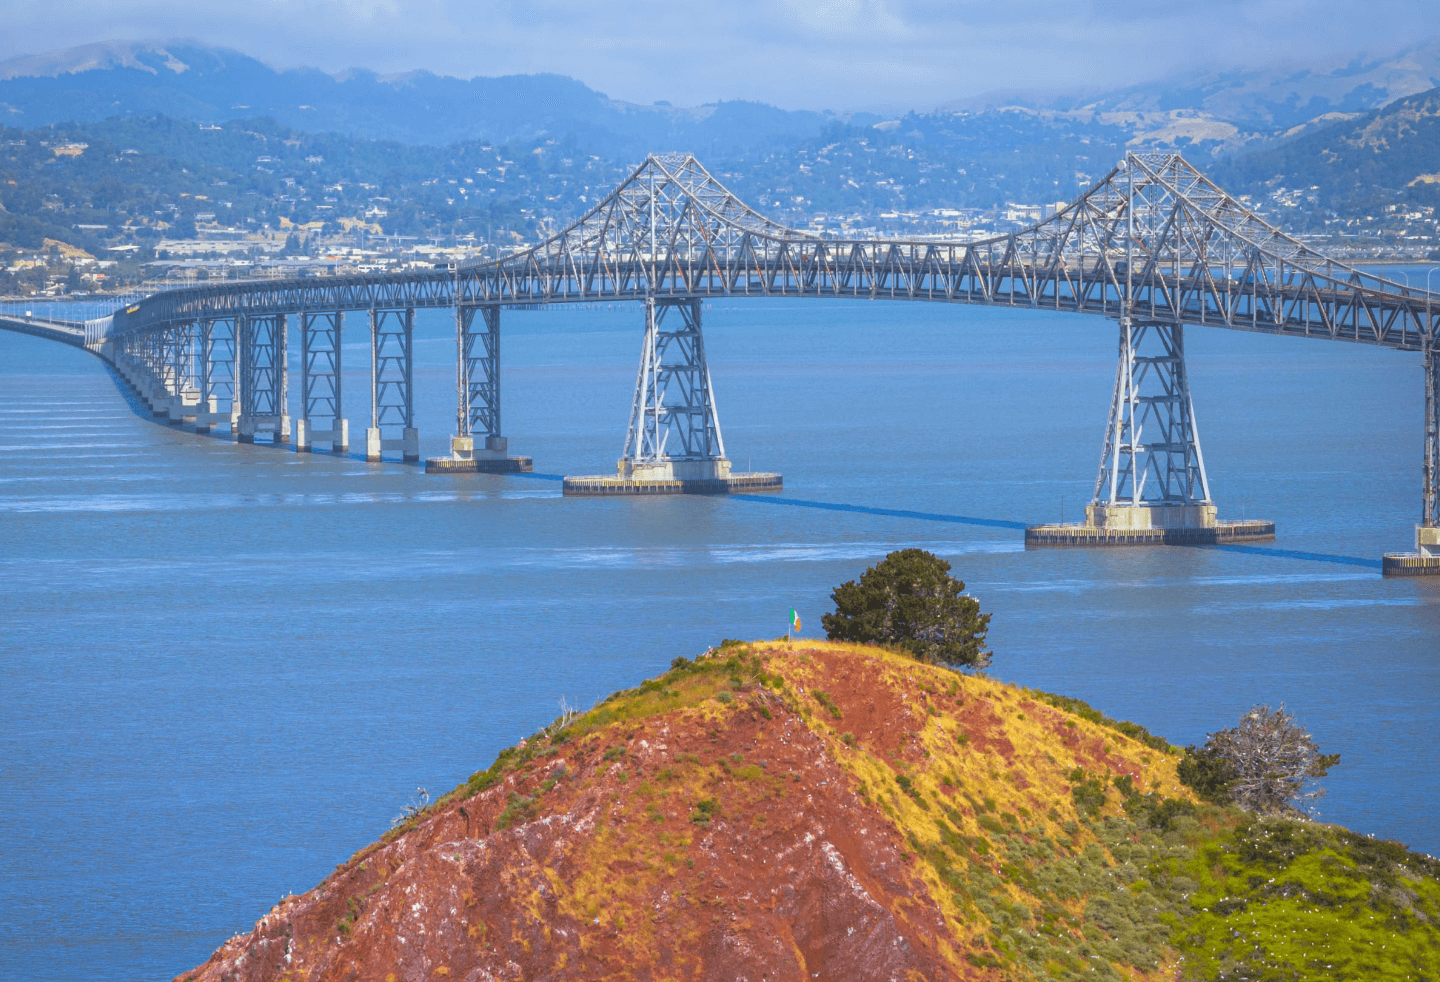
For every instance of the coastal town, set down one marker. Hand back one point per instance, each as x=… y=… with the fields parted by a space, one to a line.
x=212 y=248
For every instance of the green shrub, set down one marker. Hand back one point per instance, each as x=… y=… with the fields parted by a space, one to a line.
x=486 y=779
x=1088 y=793
x=1206 y=773
x=705 y=810
x=519 y=810
x=823 y=698
x=1156 y=811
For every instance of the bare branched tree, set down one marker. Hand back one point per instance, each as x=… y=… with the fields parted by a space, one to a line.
x=1273 y=762
x=414 y=808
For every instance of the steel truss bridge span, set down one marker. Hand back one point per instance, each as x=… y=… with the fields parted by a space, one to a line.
x=1154 y=245
x=1154 y=238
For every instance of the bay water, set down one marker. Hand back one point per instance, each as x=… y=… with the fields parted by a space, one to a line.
x=225 y=668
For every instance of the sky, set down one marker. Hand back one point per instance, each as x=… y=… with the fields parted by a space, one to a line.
x=813 y=54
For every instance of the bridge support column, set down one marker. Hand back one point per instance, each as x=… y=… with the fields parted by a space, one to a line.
x=263 y=381
x=1425 y=560
x=673 y=444
x=172 y=372
x=185 y=394
x=1152 y=488
x=155 y=353
x=392 y=390
x=218 y=374
x=320 y=384
x=477 y=393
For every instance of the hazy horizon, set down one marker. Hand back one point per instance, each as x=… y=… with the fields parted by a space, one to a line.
x=849 y=55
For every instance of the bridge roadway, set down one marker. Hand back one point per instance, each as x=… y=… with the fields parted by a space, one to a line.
x=1153 y=245
x=66 y=332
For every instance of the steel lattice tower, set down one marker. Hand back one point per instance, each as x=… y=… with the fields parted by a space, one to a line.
x=673 y=418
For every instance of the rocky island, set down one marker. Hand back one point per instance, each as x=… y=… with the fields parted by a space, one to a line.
x=814 y=810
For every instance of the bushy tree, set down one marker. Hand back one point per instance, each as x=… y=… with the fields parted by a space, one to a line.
x=1266 y=764
x=910 y=601
x=1206 y=773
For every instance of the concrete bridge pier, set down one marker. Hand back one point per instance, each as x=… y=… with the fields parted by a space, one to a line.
x=477 y=393
x=184 y=406
x=392 y=388
x=1152 y=488
x=673 y=444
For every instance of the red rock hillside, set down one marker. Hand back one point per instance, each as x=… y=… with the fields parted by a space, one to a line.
x=768 y=812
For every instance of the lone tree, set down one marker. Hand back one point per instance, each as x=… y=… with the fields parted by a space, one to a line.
x=1265 y=764
x=910 y=601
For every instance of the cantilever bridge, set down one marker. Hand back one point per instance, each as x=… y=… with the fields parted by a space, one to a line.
x=1153 y=245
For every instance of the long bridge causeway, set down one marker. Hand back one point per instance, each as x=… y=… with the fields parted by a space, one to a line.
x=1154 y=245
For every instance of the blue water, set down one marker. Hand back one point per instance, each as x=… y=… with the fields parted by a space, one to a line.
x=226 y=668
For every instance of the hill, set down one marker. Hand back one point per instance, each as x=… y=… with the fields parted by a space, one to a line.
x=1380 y=157
x=213 y=85
x=839 y=812
x=1276 y=98
x=175 y=127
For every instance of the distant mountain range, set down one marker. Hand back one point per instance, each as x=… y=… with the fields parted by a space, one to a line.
x=1274 y=99
x=96 y=139
x=185 y=80
x=213 y=85
x=1364 y=164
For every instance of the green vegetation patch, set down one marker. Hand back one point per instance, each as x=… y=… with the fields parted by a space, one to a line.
x=1085 y=711
x=1088 y=792
x=1234 y=896
x=823 y=698
x=1284 y=898
x=730 y=666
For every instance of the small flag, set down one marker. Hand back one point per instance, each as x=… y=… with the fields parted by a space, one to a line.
x=794 y=621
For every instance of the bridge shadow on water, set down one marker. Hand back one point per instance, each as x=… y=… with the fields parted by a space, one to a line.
x=138 y=406
x=1317 y=557
x=1314 y=557
x=923 y=516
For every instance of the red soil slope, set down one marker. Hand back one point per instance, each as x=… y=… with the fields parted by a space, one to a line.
x=770 y=813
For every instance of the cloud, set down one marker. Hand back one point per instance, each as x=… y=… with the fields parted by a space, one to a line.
x=795 y=53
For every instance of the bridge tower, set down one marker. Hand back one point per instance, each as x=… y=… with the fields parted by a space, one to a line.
x=1427 y=534
x=392 y=384
x=1152 y=488
x=1425 y=560
x=673 y=444
x=477 y=394
x=320 y=383
x=1152 y=471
